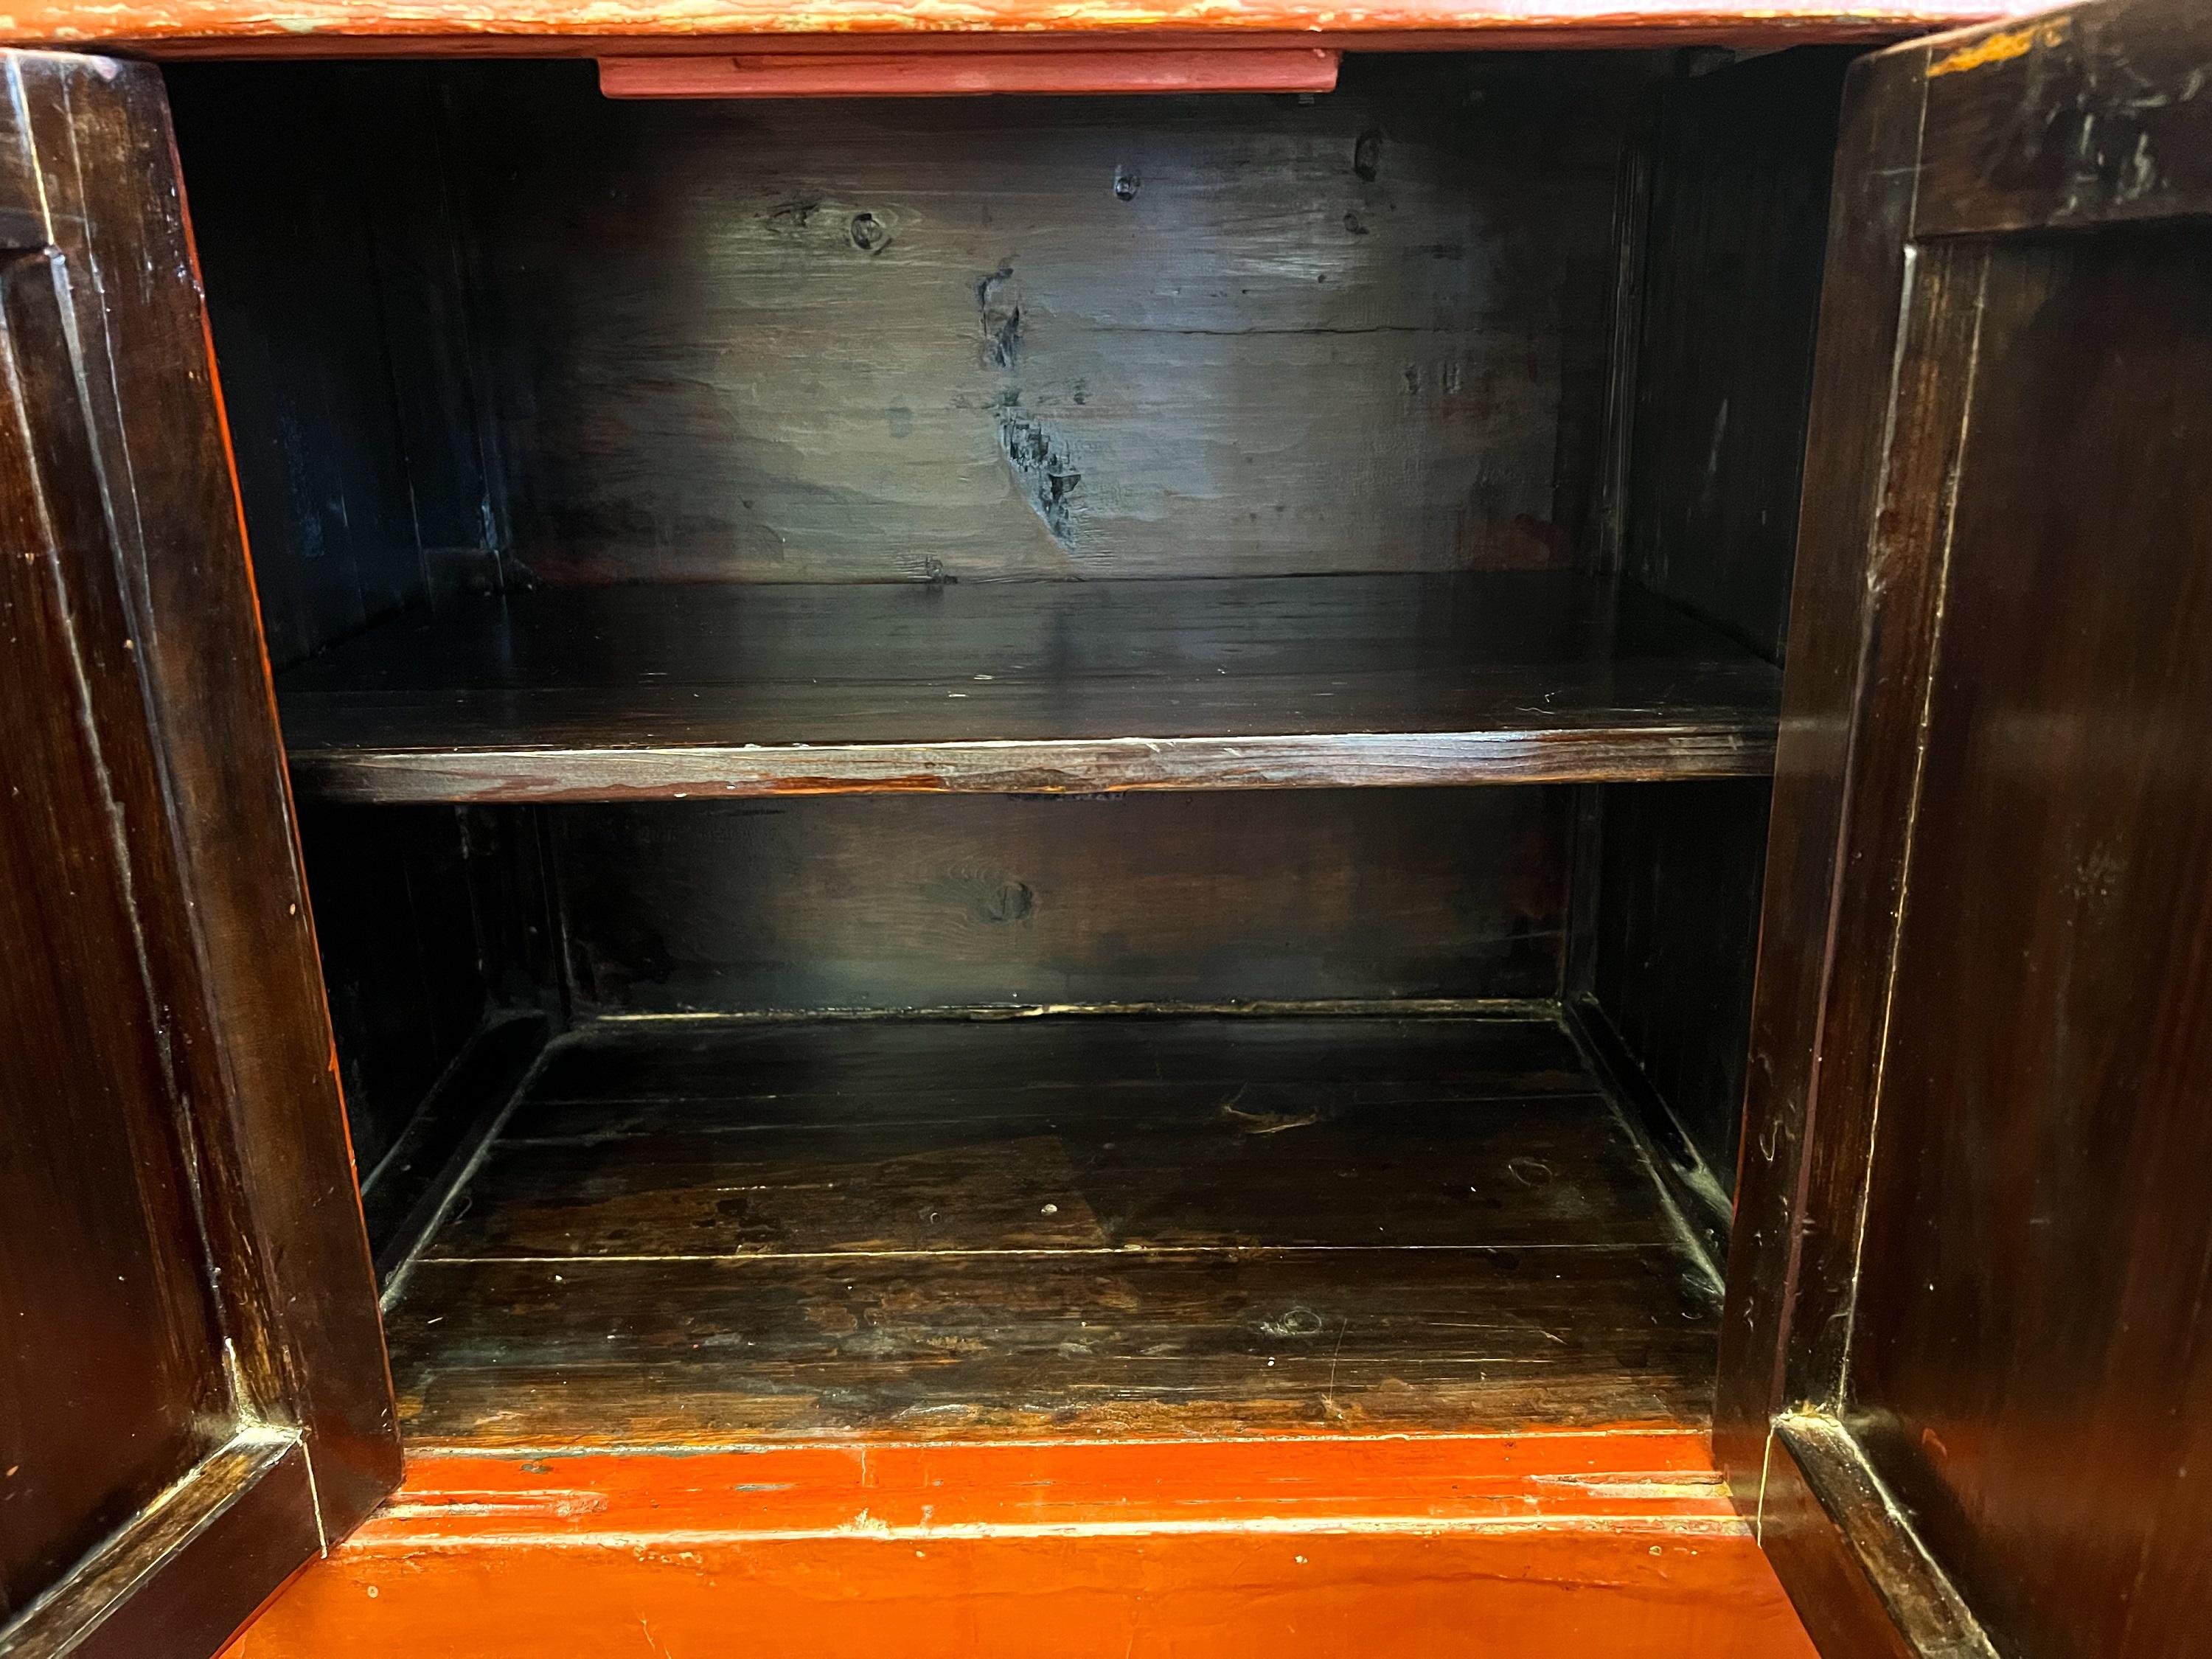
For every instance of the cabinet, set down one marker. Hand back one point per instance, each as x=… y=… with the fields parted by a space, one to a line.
x=1298 y=866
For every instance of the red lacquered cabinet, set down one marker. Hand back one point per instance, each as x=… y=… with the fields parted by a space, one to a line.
x=1194 y=832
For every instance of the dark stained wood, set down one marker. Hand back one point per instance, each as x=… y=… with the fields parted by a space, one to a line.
x=1677 y=934
x=1742 y=162
x=301 y=333
x=397 y=937
x=2020 y=1375
x=1832 y=637
x=756 y=1063
x=1128 y=1163
x=911 y=902
x=641 y=693
x=1738 y=228
x=1700 y=1195
x=878 y=340
x=163 y=599
x=2094 y=115
x=148 y=1590
x=165 y=1300
x=1054 y=1225
x=1834 y=1534
x=1061 y=1344
x=404 y=1194
x=110 y=1351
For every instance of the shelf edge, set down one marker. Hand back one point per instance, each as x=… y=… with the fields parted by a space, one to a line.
x=1104 y=766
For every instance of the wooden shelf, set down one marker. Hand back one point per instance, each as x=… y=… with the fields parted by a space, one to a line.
x=633 y=693
x=1087 y=1226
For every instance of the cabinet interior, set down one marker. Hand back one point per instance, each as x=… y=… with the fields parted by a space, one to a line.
x=1022 y=765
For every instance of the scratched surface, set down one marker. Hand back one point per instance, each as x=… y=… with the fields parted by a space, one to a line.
x=1079 y=1226
x=178 y=25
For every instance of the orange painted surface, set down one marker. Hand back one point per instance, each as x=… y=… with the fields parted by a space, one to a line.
x=1570 y=1545
x=590 y=27
x=965 y=73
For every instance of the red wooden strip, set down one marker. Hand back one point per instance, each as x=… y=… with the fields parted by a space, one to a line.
x=1574 y=1545
x=943 y=75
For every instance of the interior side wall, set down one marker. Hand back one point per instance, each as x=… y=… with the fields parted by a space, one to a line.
x=1739 y=221
x=287 y=252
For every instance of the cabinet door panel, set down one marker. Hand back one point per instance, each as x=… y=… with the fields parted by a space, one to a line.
x=1966 y=1376
x=193 y=1395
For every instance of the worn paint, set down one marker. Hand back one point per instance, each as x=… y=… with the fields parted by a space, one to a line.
x=475 y=25
x=2002 y=47
x=1619 y=1543
x=964 y=74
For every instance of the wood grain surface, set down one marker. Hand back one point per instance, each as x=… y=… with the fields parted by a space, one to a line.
x=2047 y=1060
x=912 y=902
x=1085 y=1225
x=729 y=689
x=873 y=340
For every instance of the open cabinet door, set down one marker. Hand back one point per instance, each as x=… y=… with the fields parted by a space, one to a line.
x=1966 y=1382
x=193 y=1395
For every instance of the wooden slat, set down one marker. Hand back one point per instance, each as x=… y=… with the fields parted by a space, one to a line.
x=553 y=1353
x=1141 y=1167
x=629 y=693
x=770 y=1065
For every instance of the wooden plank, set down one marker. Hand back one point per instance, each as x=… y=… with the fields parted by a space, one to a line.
x=402 y=1197
x=908 y=903
x=1855 y=387
x=1071 y=1226
x=540 y=28
x=112 y=1382
x=1740 y=185
x=788 y=341
x=777 y=1072
x=1158 y=1166
x=640 y=693
x=1321 y=1545
x=548 y=1353
x=1739 y=217
x=967 y=74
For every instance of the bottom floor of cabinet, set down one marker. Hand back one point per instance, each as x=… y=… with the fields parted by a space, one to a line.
x=1109 y=1335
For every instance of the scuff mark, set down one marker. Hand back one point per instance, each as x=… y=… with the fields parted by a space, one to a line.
x=1000 y=304
x=2003 y=48
x=1041 y=464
